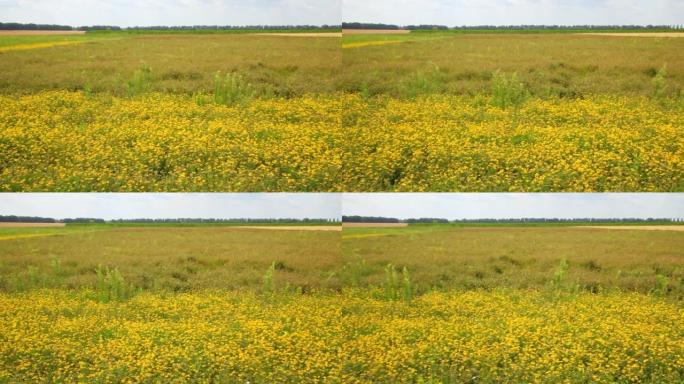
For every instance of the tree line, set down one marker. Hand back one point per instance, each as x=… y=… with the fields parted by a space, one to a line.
x=55 y=27
x=380 y=26
x=430 y=220
x=36 y=219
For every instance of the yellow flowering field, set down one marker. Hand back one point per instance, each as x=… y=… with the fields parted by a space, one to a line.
x=69 y=141
x=451 y=143
x=499 y=336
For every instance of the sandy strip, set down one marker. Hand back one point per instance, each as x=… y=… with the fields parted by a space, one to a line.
x=678 y=228
x=303 y=34
x=335 y=228
x=30 y=225
x=374 y=225
x=38 y=33
x=370 y=43
x=636 y=34
x=375 y=31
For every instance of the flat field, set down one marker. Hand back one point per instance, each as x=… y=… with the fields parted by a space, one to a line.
x=380 y=112
x=224 y=304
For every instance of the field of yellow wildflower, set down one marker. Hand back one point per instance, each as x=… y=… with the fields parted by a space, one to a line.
x=452 y=143
x=70 y=141
x=487 y=337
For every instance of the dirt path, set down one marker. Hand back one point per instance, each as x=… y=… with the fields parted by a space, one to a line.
x=31 y=225
x=294 y=227
x=375 y=31
x=679 y=228
x=374 y=225
x=38 y=33
x=638 y=34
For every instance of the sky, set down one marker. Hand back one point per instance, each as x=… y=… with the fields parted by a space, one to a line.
x=514 y=205
x=172 y=205
x=515 y=12
x=126 y=13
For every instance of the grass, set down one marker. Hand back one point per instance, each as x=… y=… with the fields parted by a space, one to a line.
x=170 y=258
x=425 y=303
x=402 y=261
x=510 y=256
x=177 y=63
x=548 y=64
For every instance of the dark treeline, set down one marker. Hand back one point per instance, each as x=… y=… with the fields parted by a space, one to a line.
x=380 y=219
x=369 y=26
x=33 y=219
x=230 y=27
x=237 y=220
x=369 y=219
x=26 y=219
x=53 y=27
x=507 y=27
x=34 y=27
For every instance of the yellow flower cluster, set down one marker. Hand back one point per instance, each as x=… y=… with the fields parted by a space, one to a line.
x=67 y=141
x=443 y=143
x=37 y=45
x=504 y=336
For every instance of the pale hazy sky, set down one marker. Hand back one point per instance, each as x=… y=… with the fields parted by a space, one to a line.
x=172 y=12
x=172 y=205
x=514 y=205
x=515 y=12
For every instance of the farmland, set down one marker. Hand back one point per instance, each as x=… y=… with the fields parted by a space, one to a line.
x=447 y=111
x=365 y=112
x=224 y=304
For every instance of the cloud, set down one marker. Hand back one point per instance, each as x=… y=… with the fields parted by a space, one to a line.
x=515 y=12
x=172 y=205
x=514 y=205
x=172 y=12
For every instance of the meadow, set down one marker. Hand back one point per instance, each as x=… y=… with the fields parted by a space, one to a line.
x=71 y=141
x=423 y=303
x=405 y=112
x=450 y=111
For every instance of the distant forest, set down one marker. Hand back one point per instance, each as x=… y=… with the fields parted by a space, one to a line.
x=55 y=27
x=429 y=220
x=507 y=27
x=34 y=219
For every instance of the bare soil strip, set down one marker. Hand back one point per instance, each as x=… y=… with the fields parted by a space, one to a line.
x=375 y=31
x=294 y=227
x=679 y=228
x=37 y=33
x=31 y=225
x=322 y=34
x=638 y=34
x=374 y=225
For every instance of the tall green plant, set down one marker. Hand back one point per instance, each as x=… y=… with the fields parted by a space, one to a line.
x=111 y=285
x=231 y=89
x=659 y=83
x=268 y=286
x=141 y=81
x=508 y=90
